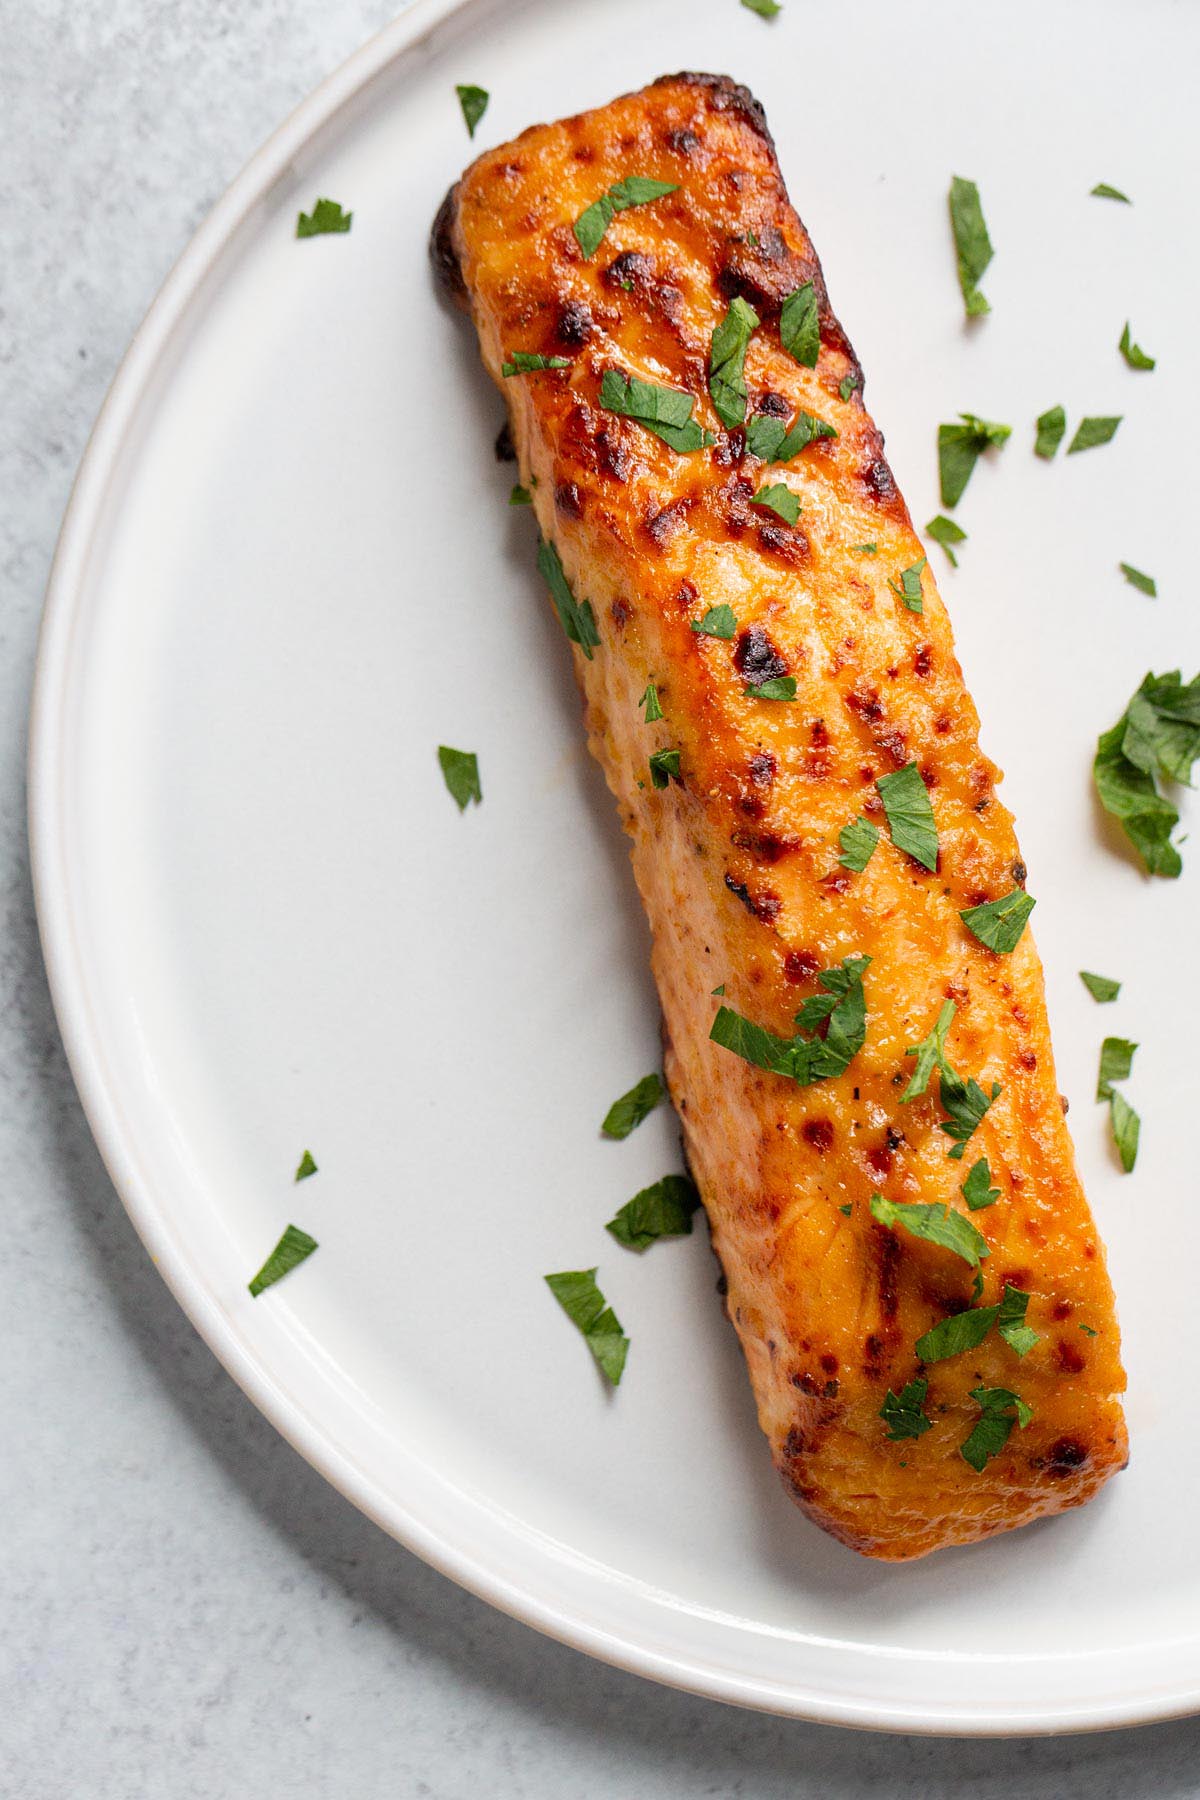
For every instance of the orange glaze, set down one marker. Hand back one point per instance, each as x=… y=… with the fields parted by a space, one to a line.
x=738 y=864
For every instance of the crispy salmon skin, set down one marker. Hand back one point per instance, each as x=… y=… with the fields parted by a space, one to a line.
x=826 y=665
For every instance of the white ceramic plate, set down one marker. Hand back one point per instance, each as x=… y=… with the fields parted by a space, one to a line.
x=289 y=572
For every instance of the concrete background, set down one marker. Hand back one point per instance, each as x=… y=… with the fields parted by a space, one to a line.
x=186 y=1610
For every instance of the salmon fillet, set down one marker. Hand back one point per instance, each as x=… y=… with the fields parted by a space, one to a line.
x=794 y=1126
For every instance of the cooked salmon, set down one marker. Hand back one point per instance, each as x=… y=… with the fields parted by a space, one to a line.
x=864 y=1075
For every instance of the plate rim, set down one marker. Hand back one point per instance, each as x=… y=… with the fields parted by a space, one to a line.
x=64 y=613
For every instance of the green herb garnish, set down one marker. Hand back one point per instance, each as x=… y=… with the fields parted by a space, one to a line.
x=520 y=496
x=936 y=1222
x=1116 y=1064
x=576 y=618
x=909 y=814
x=1010 y=1322
x=930 y=1053
x=594 y=221
x=460 y=771
x=665 y=411
x=961 y=1331
x=585 y=1306
x=977 y=1189
x=1093 y=431
x=904 y=1414
x=857 y=842
x=803 y=1058
x=529 y=362
x=847 y=385
x=650 y=701
x=780 y=500
x=972 y=245
x=1126 y=1129
x=625 y=1114
x=727 y=362
x=866 y=549
x=1051 y=429
x=1158 y=735
x=964 y=1102
x=1145 y=584
x=766 y=9
x=800 y=326
x=1104 y=192
x=959 y=449
x=908 y=588
x=1133 y=353
x=474 y=102
x=999 y=1411
x=326 y=218
x=662 y=1210
x=771 y=441
x=292 y=1249
x=947 y=533
x=305 y=1167
x=664 y=768
x=718 y=622
x=1000 y=923
x=1101 y=987
x=779 y=687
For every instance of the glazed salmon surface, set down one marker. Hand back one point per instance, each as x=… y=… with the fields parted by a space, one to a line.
x=738 y=859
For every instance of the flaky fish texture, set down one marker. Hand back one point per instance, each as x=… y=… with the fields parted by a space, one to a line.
x=737 y=856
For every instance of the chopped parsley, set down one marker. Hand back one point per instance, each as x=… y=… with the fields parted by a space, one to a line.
x=460 y=771
x=781 y=500
x=1158 y=735
x=778 y=687
x=665 y=411
x=909 y=814
x=847 y=385
x=718 y=990
x=857 y=842
x=651 y=703
x=305 y=1167
x=718 y=622
x=800 y=326
x=625 y=1114
x=1126 y=1129
x=972 y=246
x=1090 y=1330
x=1102 y=988
x=1010 y=1322
x=959 y=449
x=908 y=588
x=727 y=362
x=326 y=218
x=1133 y=353
x=585 y=1306
x=1116 y=1064
x=664 y=768
x=663 y=1210
x=930 y=1053
x=474 y=103
x=771 y=441
x=529 y=362
x=977 y=1189
x=999 y=1411
x=1051 y=429
x=293 y=1248
x=936 y=1222
x=1000 y=923
x=577 y=620
x=904 y=1413
x=866 y=549
x=1145 y=584
x=804 y=1058
x=594 y=220
x=964 y=1102
x=1103 y=191
x=848 y=1209
x=961 y=1331
x=766 y=9
x=520 y=496
x=1093 y=431
x=947 y=533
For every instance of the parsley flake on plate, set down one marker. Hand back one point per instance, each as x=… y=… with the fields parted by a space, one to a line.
x=727 y=362
x=1000 y=923
x=1157 y=736
x=1102 y=988
x=972 y=245
x=460 y=771
x=857 y=842
x=947 y=533
x=1126 y=1129
x=667 y=412
x=1093 y=431
x=594 y=220
x=585 y=1306
x=910 y=815
x=627 y=1113
x=718 y=622
x=1133 y=353
x=662 y=1210
x=577 y=620
x=766 y=9
x=293 y=1248
x=904 y=1413
x=1145 y=584
x=780 y=500
x=806 y=1058
x=474 y=103
x=325 y=219
x=1116 y=1064
x=1051 y=429
x=959 y=449
x=1103 y=191
x=305 y=1167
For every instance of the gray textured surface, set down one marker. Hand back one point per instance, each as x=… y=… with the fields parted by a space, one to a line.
x=187 y=1610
